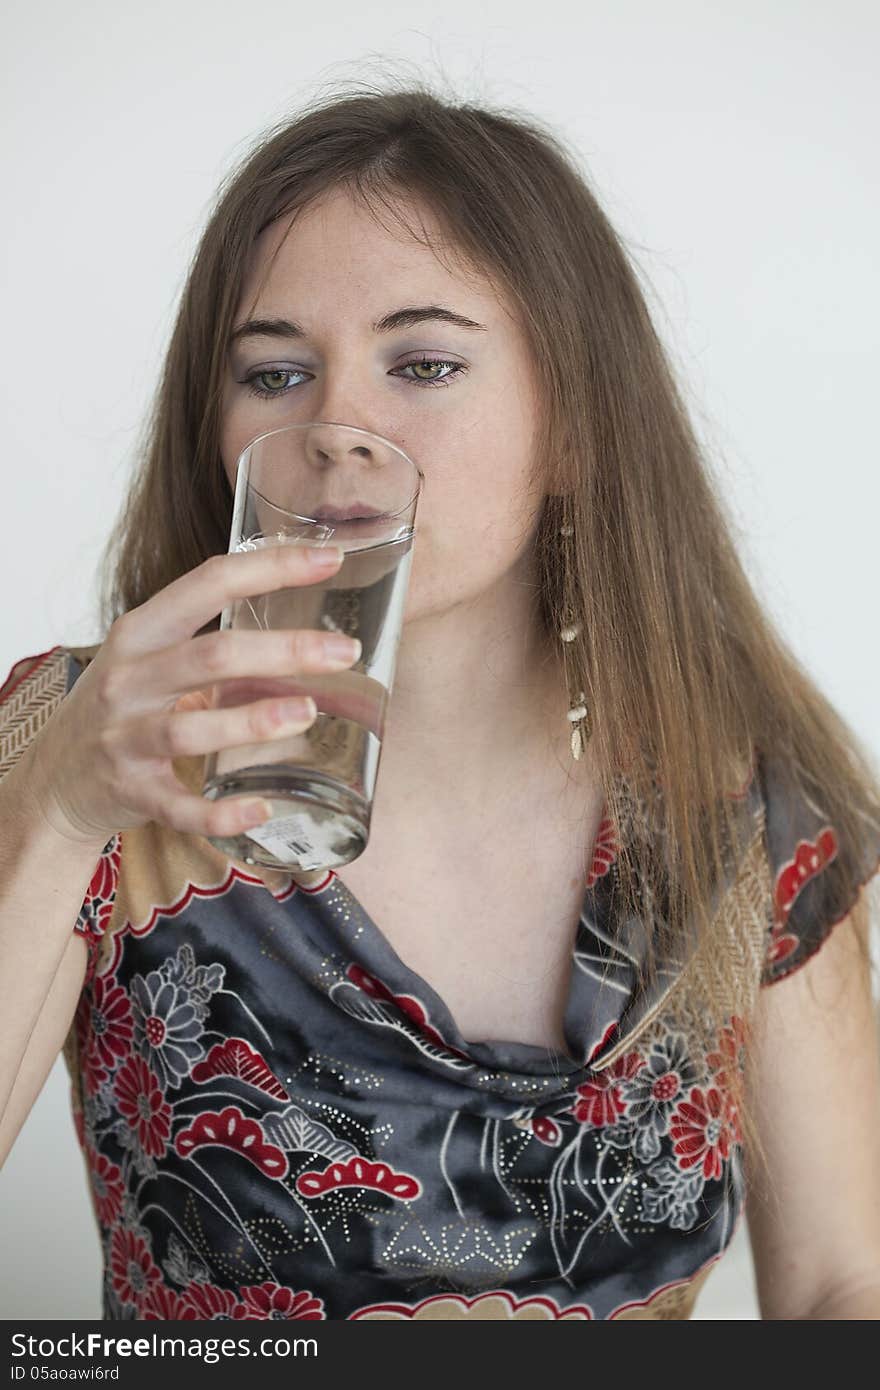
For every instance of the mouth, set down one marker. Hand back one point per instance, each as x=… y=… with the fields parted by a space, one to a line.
x=358 y=511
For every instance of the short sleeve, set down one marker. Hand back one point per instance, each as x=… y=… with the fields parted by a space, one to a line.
x=816 y=880
x=30 y=694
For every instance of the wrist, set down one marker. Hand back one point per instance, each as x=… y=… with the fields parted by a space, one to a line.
x=29 y=806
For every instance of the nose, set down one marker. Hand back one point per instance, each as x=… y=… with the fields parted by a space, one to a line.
x=344 y=464
x=329 y=443
x=355 y=473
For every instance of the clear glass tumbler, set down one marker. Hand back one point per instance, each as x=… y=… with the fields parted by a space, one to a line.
x=316 y=484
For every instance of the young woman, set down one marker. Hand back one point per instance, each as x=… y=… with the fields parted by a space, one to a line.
x=522 y=1057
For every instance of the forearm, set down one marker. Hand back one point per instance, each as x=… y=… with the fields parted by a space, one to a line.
x=44 y=879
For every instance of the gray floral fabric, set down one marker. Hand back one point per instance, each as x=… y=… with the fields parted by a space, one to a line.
x=280 y=1119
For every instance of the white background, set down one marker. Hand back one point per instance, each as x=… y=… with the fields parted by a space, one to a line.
x=734 y=149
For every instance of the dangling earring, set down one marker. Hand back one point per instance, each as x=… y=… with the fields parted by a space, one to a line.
x=578 y=714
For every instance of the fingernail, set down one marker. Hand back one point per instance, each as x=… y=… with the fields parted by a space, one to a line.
x=339 y=648
x=323 y=556
x=298 y=709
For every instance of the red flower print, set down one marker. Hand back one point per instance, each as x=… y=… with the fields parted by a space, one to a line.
x=161 y=1304
x=782 y=945
x=107 y=1188
x=600 y=1101
x=499 y=1305
x=413 y=1008
x=810 y=858
x=142 y=1103
x=731 y=1051
x=231 y=1129
x=543 y=1128
x=370 y=984
x=98 y=905
x=273 y=1301
x=91 y=1068
x=209 y=1304
x=702 y=1130
x=606 y=1037
x=111 y=1023
x=605 y=851
x=235 y=1057
x=546 y=1130
x=359 y=1172
x=131 y=1266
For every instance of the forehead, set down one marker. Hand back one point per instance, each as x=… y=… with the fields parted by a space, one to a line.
x=336 y=249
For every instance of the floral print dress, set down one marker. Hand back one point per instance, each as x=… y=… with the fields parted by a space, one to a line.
x=279 y=1119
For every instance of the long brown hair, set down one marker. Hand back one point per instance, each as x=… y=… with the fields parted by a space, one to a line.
x=682 y=669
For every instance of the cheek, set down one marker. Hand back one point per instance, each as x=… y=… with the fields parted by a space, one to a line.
x=229 y=470
x=446 y=571
x=242 y=421
x=229 y=452
x=471 y=532
x=498 y=458
x=233 y=441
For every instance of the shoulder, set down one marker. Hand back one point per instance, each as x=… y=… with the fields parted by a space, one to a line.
x=43 y=671
x=816 y=874
x=34 y=687
x=39 y=667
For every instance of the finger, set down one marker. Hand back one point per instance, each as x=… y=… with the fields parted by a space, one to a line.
x=192 y=814
x=186 y=604
x=247 y=665
x=190 y=734
x=352 y=695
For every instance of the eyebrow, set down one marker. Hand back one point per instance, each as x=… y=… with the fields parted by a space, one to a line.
x=399 y=318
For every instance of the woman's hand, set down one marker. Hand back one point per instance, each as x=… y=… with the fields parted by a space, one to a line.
x=103 y=761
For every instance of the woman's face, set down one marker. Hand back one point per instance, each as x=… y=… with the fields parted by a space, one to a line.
x=336 y=275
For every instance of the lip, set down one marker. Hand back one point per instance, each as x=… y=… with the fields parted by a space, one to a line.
x=358 y=511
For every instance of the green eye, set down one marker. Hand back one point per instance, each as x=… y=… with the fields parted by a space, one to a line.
x=265 y=377
x=427 y=364
x=280 y=376
x=281 y=380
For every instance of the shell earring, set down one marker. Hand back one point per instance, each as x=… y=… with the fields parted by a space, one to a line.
x=578 y=715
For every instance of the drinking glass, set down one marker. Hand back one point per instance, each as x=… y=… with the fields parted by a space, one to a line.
x=319 y=483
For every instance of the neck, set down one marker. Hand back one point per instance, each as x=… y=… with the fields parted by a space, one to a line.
x=478 y=707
